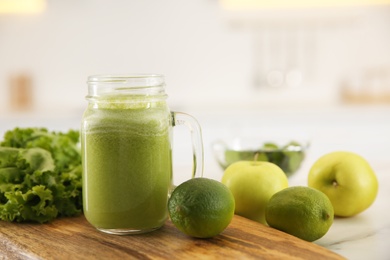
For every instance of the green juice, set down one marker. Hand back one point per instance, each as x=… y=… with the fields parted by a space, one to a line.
x=127 y=165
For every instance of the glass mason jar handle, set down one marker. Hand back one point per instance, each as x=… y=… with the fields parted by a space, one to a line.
x=190 y=122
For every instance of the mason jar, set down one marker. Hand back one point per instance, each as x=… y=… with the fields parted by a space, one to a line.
x=126 y=142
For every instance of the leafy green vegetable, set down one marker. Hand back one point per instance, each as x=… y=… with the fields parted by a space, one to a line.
x=40 y=175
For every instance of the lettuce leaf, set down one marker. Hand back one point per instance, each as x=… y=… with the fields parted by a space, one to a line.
x=40 y=175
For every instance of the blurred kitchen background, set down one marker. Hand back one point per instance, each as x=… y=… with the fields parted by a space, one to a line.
x=240 y=66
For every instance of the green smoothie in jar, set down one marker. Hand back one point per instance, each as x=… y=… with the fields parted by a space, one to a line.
x=127 y=164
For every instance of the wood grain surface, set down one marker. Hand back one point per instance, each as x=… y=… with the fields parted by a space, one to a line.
x=74 y=238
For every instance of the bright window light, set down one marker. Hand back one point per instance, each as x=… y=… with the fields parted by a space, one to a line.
x=22 y=6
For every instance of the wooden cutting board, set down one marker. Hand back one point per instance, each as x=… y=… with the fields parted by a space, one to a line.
x=74 y=238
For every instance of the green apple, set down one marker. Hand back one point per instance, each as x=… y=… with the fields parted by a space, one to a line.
x=253 y=183
x=347 y=179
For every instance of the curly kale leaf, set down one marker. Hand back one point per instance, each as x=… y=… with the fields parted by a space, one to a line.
x=40 y=175
x=62 y=146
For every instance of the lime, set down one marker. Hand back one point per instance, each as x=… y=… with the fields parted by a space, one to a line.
x=300 y=211
x=201 y=207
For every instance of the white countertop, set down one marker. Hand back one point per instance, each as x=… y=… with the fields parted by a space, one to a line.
x=364 y=130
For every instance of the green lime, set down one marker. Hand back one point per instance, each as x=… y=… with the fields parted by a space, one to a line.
x=303 y=212
x=201 y=207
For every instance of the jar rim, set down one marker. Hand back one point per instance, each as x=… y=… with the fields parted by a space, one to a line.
x=123 y=78
x=126 y=84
